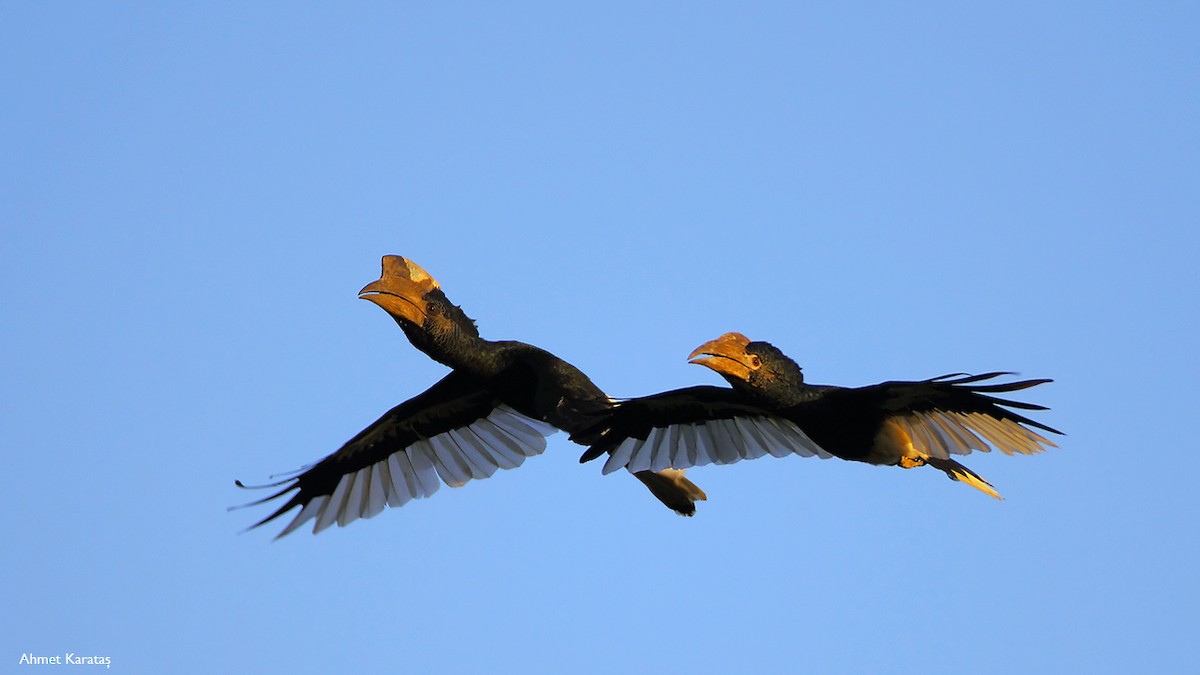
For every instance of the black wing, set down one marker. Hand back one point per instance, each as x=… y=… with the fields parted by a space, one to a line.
x=454 y=432
x=691 y=427
x=952 y=414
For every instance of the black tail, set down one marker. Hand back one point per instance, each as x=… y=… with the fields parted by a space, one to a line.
x=673 y=489
x=961 y=473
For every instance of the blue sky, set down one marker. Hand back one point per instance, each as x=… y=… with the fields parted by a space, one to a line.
x=192 y=193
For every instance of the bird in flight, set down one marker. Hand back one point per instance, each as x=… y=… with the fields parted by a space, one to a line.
x=495 y=409
x=771 y=410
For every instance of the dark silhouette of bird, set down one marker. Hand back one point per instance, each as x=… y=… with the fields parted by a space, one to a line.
x=495 y=408
x=771 y=410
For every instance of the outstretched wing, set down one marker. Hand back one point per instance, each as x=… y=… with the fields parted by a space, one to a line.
x=948 y=415
x=692 y=427
x=453 y=433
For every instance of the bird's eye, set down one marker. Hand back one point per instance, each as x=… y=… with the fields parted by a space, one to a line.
x=755 y=362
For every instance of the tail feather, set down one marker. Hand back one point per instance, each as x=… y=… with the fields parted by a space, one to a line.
x=673 y=489
x=958 y=472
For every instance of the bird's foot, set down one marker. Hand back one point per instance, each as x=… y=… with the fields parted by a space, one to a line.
x=911 y=462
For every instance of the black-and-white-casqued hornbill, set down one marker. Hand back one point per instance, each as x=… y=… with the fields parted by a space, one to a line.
x=495 y=409
x=771 y=411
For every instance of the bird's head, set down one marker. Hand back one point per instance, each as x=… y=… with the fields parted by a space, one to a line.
x=402 y=290
x=757 y=367
x=415 y=300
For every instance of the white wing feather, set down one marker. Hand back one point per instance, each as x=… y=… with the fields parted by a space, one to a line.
x=502 y=440
x=682 y=446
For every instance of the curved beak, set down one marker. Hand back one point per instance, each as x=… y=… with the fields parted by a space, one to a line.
x=726 y=355
x=400 y=290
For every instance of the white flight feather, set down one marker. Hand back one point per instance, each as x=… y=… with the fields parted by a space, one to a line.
x=502 y=440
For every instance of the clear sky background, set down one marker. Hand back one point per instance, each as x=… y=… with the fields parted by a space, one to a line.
x=192 y=193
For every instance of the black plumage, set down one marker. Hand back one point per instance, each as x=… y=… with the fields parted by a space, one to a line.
x=771 y=410
x=493 y=410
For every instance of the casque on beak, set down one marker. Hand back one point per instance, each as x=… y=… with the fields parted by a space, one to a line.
x=400 y=290
x=726 y=355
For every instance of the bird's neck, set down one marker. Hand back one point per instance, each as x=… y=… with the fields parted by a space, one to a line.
x=457 y=349
x=776 y=394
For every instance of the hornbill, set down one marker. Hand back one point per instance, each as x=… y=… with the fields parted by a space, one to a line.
x=496 y=407
x=770 y=410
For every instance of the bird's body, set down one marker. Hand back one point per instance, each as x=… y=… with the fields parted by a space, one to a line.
x=493 y=410
x=771 y=410
x=529 y=379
